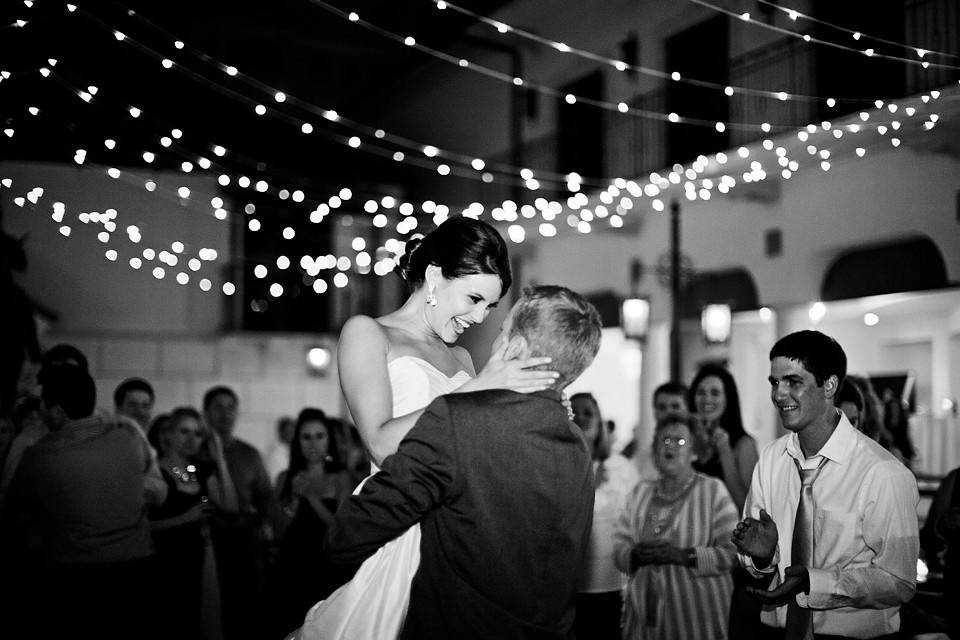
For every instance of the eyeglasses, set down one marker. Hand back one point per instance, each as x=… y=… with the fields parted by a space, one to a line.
x=680 y=442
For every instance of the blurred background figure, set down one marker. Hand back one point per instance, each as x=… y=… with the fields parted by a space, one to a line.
x=133 y=399
x=278 y=454
x=673 y=540
x=872 y=416
x=670 y=398
x=308 y=493
x=725 y=451
x=81 y=490
x=896 y=419
x=195 y=470
x=599 y=601
x=241 y=539
x=352 y=452
x=850 y=401
x=723 y=448
x=158 y=435
x=940 y=542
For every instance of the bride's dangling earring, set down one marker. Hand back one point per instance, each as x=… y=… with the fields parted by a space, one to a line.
x=431 y=298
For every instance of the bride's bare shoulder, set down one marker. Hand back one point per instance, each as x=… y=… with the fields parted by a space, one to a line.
x=364 y=329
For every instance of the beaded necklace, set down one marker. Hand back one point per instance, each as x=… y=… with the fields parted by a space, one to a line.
x=184 y=475
x=663 y=507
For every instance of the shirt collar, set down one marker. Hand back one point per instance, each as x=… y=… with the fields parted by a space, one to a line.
x=837 y=448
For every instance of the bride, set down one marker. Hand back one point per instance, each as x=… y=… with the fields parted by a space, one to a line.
x=391 y=368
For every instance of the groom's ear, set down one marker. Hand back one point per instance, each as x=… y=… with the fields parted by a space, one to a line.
x=517 y=347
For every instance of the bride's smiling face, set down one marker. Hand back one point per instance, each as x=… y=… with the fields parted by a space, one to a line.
x=461 y=303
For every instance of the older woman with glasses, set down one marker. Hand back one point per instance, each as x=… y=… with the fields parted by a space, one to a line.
x=673 y=540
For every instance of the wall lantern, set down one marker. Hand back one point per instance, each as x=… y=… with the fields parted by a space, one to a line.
x=635 y=318
x=715 y=322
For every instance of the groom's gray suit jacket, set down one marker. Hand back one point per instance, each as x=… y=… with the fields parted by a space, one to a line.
x=502 y=484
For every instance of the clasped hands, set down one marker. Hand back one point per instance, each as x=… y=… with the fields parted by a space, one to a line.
x=656 y=551
x=757 y=538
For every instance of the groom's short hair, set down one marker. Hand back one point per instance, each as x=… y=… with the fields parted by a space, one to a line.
x=559 y=323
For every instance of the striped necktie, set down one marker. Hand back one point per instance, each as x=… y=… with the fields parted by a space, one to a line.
x=800 y=619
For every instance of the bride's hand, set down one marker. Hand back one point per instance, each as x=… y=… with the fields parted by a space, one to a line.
x=516 y=375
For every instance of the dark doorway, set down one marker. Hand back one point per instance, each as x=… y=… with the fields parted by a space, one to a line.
x=701 y=52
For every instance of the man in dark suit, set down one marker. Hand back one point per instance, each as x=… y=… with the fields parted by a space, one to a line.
x=502 y=485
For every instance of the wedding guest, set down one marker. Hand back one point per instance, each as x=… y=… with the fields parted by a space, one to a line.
x=309 y=493
x=831 y=519
x=82 y=488
x=724 y=449
x=673 y=540
x=241 y=539
x=670 y=398
x=598 y=593
x=134 y=398
x=195 y=470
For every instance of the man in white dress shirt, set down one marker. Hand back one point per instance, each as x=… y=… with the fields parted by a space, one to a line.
x=856 y=537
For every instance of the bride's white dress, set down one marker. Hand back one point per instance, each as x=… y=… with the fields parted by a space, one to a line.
x=373 y=605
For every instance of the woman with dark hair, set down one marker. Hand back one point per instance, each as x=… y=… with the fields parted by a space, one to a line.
x=390 y=369
x=724 y=450
x=308 y=492
x=196 y=474
x=601 y=582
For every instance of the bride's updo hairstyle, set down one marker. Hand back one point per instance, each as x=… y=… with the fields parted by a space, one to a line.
x=460 y=246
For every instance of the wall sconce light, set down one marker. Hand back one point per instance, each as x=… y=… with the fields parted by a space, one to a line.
x=318 y=360
x=715 y=322
x=635 y=318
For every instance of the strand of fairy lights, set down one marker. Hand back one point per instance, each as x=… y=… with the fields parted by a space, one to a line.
x=430 y=150
x=504 y=28
x=794 y=14
x=869 y=52
x=893 y=106
x=582 y=223
x=508 y=211
x=170 y=143
x=310 y=266
x=439 y=211
x=108 y=219
x=569 y=98
x=473 y=168
x=620 y=183
x=288 y=233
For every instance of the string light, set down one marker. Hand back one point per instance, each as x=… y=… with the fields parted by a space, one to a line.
x=793 y=14
x=622 y=66
x=870 y=52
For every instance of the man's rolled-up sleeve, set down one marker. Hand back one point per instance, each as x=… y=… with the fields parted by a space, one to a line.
x=415 y=480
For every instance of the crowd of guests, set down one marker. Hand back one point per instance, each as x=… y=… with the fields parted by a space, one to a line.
x=124 y=523
x=116 y=522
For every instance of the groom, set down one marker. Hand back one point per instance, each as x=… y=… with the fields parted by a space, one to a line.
x=502 y=485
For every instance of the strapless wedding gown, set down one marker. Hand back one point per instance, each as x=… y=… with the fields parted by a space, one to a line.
x=373 y=605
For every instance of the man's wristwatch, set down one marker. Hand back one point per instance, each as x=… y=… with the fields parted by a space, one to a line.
x=691 y=557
